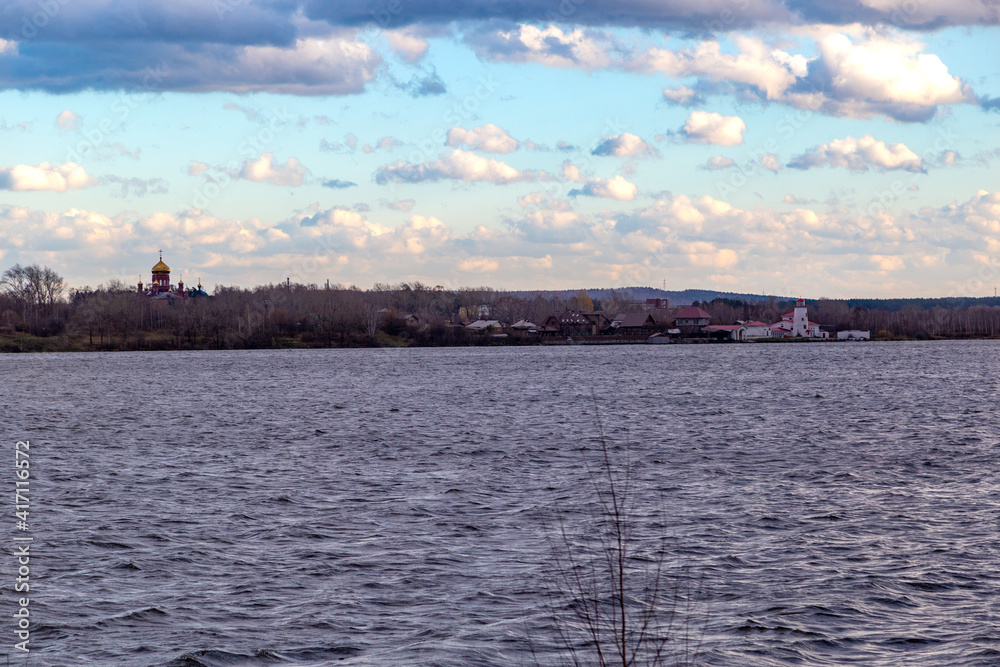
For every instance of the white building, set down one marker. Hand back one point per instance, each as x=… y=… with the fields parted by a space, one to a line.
x=796 y=324
x=757 y=330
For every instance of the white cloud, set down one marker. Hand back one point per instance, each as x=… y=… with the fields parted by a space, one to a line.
x=680 y=95
x=479 y=265
x=310 y=67
x=487 y=138
x=771 y=71
x=265 y=170
x=887 y=262
x=703 y=127
x=833 y=252
x=855 y=72
x=770 y=162
x=624 y=145
x=549 y=46
x=457 y=165
x=411 y=47
x=572 y=173
x=44 y=177
x=68 y=120
x=860 y=155
x=611 y=188
x=717 y=162
x=879 y=74
x=400 y=204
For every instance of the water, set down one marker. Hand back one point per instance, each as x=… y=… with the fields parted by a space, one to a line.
x=836 y=504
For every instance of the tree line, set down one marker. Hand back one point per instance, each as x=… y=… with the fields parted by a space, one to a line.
x=38 y=311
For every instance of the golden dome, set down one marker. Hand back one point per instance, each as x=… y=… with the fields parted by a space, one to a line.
x=161 y=267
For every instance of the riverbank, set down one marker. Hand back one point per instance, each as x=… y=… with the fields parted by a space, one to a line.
x=27 y=343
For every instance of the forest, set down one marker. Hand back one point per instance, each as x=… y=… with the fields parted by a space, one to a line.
x=39 y=312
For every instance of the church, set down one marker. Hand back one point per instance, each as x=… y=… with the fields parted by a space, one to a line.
x=160 y=287
x=796 y=324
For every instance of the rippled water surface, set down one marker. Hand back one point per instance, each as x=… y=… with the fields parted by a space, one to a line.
x=838 y=504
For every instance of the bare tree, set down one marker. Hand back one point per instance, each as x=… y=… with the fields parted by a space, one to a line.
x=372 y=307
x=616 y=604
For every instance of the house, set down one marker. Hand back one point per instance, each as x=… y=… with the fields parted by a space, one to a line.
x=660 y=310
x=727 y=331
x=854 y=334
x=756 y=329
x=573 y=323
x=691 y=320
x=481 y=326
x=796 y=324
x=524 y=325
x=634 y=323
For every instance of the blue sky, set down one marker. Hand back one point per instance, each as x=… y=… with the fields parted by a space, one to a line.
x=772 y=147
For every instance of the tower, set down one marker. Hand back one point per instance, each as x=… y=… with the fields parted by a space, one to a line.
x=161 y=277
x=800 y=319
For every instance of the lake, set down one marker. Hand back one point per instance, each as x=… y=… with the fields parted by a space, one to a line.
x=821 y=504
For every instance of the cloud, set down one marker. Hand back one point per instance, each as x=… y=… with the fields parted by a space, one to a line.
x=252 y=115
x=682 y=95
x=44 y=177
x=349 y=145
x=703 y=127
x=834 y=252
x=265 y=170
x=860 y=155
x=887 y=262
x=857 y=73
x=718 y=162
x=798 y=201
x=769 y=70
x=337 y=184
x=877 y=74
x=307 y=66
x=700 y=15
x=458 y=165
x=315 y=47
x=197 y=168
x=68 y=120
x=485 y=138
x=136 y=187
x=384 y=144
x=612 y=188
x=624 y=145
x=427 y=86
x=549 y=46
x=400 y=204
x=696 y=14
x=770 y=162
x=408 y=44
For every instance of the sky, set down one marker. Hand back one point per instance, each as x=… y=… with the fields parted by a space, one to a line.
x=817 y=149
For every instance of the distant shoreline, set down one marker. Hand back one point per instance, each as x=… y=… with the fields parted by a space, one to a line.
x=61 y=344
